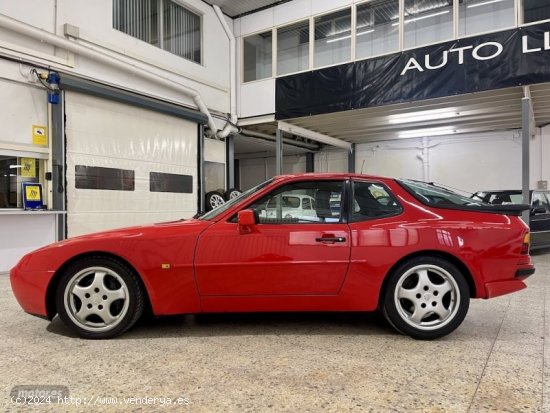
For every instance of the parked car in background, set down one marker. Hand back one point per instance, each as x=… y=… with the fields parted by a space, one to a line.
x=539 y=219
x=415 y=251
x=286 y=206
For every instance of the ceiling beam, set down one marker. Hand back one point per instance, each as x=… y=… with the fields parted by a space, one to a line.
x=314 y=136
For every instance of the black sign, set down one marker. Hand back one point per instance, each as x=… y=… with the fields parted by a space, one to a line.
x=493 y=61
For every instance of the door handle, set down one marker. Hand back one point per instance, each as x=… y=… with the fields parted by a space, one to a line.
x=331 y=239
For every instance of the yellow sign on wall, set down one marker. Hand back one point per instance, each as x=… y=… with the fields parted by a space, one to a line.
x=28 y=168
x=32 y=192
x=39 y=135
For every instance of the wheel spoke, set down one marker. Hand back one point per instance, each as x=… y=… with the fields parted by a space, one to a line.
x=105 y=315
x=407 y=294
x=83 y=313
x=443 y=288
x=418 y=315
x=99 y=278
x=423 y=278
x=441 y=311
x=114 y=295
x=81 y=292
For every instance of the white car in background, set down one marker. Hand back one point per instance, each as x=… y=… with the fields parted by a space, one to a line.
x=292 y=206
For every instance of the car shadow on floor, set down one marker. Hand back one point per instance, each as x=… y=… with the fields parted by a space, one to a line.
x=236 y=324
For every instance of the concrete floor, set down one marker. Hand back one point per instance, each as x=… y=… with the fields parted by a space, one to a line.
x=498 y=360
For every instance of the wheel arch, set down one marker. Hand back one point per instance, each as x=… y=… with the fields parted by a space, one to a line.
x=431 y=253
x=51 y=307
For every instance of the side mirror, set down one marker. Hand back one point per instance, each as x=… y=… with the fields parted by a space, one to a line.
x=246 y=219
x=538 y=210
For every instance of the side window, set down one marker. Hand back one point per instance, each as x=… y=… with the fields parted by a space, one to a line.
x=301 y=203
x=373 y=200
x=540 y=201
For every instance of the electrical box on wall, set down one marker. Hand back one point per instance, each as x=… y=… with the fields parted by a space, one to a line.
x=542 y=184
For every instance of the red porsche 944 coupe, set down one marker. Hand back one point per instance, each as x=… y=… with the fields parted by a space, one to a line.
x=311 y=242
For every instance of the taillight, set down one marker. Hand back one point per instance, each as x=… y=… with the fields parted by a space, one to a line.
x=525 y=245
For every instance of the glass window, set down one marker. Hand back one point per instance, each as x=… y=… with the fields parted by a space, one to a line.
x=427 y=22
x=257 y=56
x=535 y=10
x=437 y=195
x=179 y=32
x=332 y=38
x=540 y=201
x=113 y=179
x=477 y=16
x=377 y=30
x=288 y=204
x=373 y=200
x=293 y=48
x=163 y=182
x=13 y=172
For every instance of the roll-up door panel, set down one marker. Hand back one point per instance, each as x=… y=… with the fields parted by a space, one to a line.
x=113 y=151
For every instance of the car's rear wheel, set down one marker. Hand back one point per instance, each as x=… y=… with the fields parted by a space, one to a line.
x=426 y=298
x=99 y=298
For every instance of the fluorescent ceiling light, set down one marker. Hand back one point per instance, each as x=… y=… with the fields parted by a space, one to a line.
x=337 y=39
x=418 y=133
x=15 y=166
x=423 y=115
x=483 y=3
x=365 y=32
x=427 y=16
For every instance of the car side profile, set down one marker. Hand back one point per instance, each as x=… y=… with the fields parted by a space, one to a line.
x=539 y=213
x=415 y=251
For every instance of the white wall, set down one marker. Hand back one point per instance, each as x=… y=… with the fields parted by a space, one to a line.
x=469 y=162
x=94 y=20
x=258 y=170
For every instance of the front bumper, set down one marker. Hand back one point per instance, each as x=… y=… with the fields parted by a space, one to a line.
x=30 y=289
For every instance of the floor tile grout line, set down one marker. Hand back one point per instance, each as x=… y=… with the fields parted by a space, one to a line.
x=543 y=347
x=489 y=355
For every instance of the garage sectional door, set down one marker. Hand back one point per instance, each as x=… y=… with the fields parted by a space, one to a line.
x=126 y=165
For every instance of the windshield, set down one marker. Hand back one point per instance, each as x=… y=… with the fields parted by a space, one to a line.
x=222 y=208
x=437 y=195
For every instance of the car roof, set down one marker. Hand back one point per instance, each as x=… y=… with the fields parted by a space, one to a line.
x=332 y=175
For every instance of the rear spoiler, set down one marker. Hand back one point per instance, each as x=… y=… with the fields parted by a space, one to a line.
x=508 y=209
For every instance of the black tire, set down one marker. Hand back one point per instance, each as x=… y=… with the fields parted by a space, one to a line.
x=426 y=298
x=99 y=298
x=213 y=200
x=232 y=193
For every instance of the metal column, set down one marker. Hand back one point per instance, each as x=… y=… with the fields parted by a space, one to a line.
x=525 y=140
x=200 y=169
x=279 y=152
x=230 y=161
x=351 y=159
x=58 y=166
x=310 y=162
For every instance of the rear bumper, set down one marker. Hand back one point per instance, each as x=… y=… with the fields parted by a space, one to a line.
x=498 y=288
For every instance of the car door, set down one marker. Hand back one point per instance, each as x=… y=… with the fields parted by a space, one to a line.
x=540 y=220
x=280 y=255
x=374 y=234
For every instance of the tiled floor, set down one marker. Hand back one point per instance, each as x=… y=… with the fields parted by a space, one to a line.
x=496 y=361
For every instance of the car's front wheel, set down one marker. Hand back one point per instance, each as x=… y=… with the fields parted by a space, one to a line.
x=99 y=298
x=426 y=298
